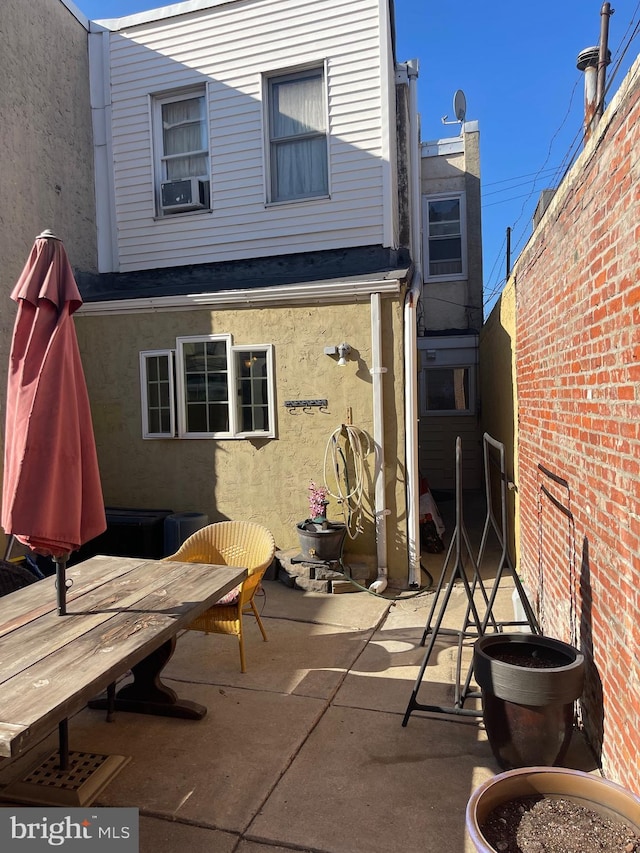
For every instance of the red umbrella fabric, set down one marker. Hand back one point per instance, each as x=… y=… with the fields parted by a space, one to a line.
x=52 y=497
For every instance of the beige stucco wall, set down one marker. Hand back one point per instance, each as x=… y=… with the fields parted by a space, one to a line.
x=498 y=391
x=46 y=165
x=264 y=480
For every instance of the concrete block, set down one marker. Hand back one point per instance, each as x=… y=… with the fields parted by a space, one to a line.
x=310 y=585
x=343 y=586
x=325 y=572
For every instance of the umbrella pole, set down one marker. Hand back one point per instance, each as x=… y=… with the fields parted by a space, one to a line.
x=61 y=582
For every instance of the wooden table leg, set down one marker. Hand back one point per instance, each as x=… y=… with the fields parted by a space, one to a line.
x=148 y=695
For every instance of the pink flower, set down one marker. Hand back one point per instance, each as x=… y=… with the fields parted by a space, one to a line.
x=317 y=500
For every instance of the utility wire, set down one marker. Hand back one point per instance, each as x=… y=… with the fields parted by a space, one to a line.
x=578 y=139
x=545 y=175
x=517 y=177
x=560 y=172
x=511 y=198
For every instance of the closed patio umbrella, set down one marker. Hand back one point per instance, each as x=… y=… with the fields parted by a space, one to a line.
x=51 y=497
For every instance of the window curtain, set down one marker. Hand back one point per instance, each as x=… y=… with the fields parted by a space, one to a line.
x=298 y=107
x=300 y=164
x=183 y=132
x=301 y=168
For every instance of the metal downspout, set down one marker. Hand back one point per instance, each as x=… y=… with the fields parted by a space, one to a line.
x=411 y=339
x=381 y=511
x=411 y=428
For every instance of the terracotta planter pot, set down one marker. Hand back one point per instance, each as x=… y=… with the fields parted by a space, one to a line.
x=592 y=792
x=320 y=544
x=529 y=684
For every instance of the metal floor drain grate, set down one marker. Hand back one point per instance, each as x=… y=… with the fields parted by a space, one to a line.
x=82 y=765
x=46 y=784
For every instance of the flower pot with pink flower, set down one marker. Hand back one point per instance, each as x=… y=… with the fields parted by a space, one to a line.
x=321 y=540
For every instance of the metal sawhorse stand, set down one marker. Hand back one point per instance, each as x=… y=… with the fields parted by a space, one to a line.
x=473 y=626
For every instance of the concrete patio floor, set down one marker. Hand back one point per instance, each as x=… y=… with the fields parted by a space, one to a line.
x=306 y=751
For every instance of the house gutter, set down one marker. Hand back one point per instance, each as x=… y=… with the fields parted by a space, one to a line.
x=321 y=293
x=411 y=339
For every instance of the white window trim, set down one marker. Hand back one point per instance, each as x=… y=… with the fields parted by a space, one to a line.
x=181 y=391
x=461 y=196
x=233 y=386
x=144 y=355
x=156 y=99
x=266 y=131
x=178 y=412
x=271 y=406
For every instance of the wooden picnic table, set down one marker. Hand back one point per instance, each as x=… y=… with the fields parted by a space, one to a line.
x=123 y=613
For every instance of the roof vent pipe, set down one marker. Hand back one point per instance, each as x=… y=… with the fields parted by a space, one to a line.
x=588 y=62
x=593 y=61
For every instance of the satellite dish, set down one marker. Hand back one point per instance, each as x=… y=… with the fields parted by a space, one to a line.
x=459 y=105
x=459 y=109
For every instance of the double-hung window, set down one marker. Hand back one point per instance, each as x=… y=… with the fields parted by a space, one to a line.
x=297 y=129
x=220 y=390
x=181 y=144
x=444 y=237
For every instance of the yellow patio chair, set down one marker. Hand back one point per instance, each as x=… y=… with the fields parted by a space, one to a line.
x=231 y=543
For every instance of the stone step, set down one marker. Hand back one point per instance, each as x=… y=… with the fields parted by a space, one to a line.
x=319 y=577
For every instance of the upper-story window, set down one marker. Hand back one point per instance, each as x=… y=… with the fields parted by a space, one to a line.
x=181 y=144
x=297 y=127
x=445 y=237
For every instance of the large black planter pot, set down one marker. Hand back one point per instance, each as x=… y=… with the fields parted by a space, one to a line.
x=529 y=684
x=593 y=792
x=321 y=543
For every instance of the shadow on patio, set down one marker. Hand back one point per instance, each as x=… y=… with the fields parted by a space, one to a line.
x=306 y=750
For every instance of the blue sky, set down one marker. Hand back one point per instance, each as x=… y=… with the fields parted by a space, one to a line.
x=516 y=63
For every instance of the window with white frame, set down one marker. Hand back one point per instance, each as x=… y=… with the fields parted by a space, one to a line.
x=445 y=236
x=158 y=394
x=220 y=390
x=448 y=375
x=297 y=131
x=181 y=145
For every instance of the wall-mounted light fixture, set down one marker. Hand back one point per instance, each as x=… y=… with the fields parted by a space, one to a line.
x=343 y=351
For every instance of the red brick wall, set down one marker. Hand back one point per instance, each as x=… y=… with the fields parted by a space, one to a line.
x=578 y=375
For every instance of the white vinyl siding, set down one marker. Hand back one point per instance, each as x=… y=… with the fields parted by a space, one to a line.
x=230 y=49
x=437 y=452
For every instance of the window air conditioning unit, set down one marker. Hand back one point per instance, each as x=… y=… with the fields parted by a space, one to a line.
x=183 y=194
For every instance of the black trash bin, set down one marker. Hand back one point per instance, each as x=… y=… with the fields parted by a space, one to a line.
x=179 y=526
x=130 y=533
